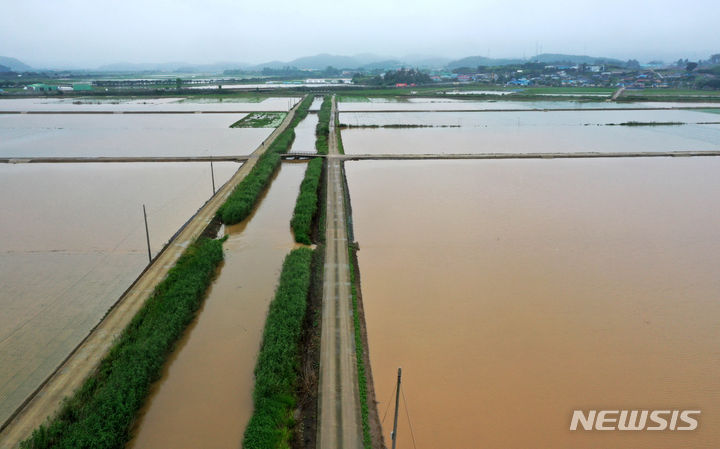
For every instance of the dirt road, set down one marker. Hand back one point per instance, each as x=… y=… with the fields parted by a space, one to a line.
x=46 y=400
x=339 y=425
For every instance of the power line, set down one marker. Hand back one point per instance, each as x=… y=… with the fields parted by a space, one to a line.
x=407 y=413
x=389 y=401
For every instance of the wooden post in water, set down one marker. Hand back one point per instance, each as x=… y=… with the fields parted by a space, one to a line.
x=397 y=406
x=147 y=235
x=212 y=175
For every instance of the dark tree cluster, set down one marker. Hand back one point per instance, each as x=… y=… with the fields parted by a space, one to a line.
x=400 y=76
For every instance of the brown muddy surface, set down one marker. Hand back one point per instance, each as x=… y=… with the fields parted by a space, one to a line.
x=66 y=135
x=204 y=398
x=514 y=292
x=529 y=131
x=73 y=241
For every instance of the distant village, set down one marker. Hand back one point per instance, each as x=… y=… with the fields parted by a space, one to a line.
x=703 y=74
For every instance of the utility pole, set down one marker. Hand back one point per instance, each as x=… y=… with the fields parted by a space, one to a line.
x=212 y=175
x=397 y=404
x=147 y=235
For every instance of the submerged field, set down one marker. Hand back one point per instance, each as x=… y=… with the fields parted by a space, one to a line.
x=529 y=131
x=514 y=292
x=73 y=242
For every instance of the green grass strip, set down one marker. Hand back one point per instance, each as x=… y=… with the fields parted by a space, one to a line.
x=306 y=205
x=100 y=414
x=276 y=371
x=359 y=355
x=243 y=198
x=341 y=148
x=322 y=130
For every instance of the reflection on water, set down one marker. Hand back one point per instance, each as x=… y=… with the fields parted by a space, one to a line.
x=204 y=399
x=514 y=292
x=66 y=135
x=73 y=241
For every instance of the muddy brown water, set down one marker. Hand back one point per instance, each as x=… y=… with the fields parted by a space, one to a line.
x=73 y=241
x=514 y=292
x=204 y=398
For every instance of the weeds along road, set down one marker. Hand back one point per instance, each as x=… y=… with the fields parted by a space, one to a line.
x=339 y=426
x=70 y=375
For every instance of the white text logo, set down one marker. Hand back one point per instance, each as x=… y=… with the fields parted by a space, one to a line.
x=634 y=420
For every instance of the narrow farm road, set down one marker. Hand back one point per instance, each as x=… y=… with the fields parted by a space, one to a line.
x=339 y=425
x=71 y=374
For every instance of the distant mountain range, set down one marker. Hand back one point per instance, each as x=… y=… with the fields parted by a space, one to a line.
x=545 y=58
x=363 y=61
x=14 y=65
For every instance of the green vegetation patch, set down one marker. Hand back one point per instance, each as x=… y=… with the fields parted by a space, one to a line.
x=397 y=126
x=359 y=354
x=306 y=205
x=260 y=120
x=322 y=130
x=634 y=123
x=101 y=413
x=243 y=198
x=569 y=90
x=276 y=371
x=353 y=99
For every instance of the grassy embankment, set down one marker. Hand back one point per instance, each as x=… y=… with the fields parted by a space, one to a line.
x=260 y=120
x=101 y=413
x=359 y=351
x=276 y=371
x=241 y=201
x=395 y=126
x=634 y=123
x=306 y=205
x=340 y=146
x=322 y=130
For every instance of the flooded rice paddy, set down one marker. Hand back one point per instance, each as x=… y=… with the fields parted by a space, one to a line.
x=514 y=292
x=443 y=104
x=305 y=135
x=204 y=398
x=73 y=242
x=529 y=131
x=90 y=135
x=180 y=104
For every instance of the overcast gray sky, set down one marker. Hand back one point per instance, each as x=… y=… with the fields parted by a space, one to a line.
x=89 y=33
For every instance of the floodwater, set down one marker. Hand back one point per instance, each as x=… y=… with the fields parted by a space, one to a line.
x=524 y=132
x=179 y=104
x=73 y=241
x=73 y=135
x=204 y=398
x=316 y=104
x=305 y=135
x=514 y=292
x=440 y=104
